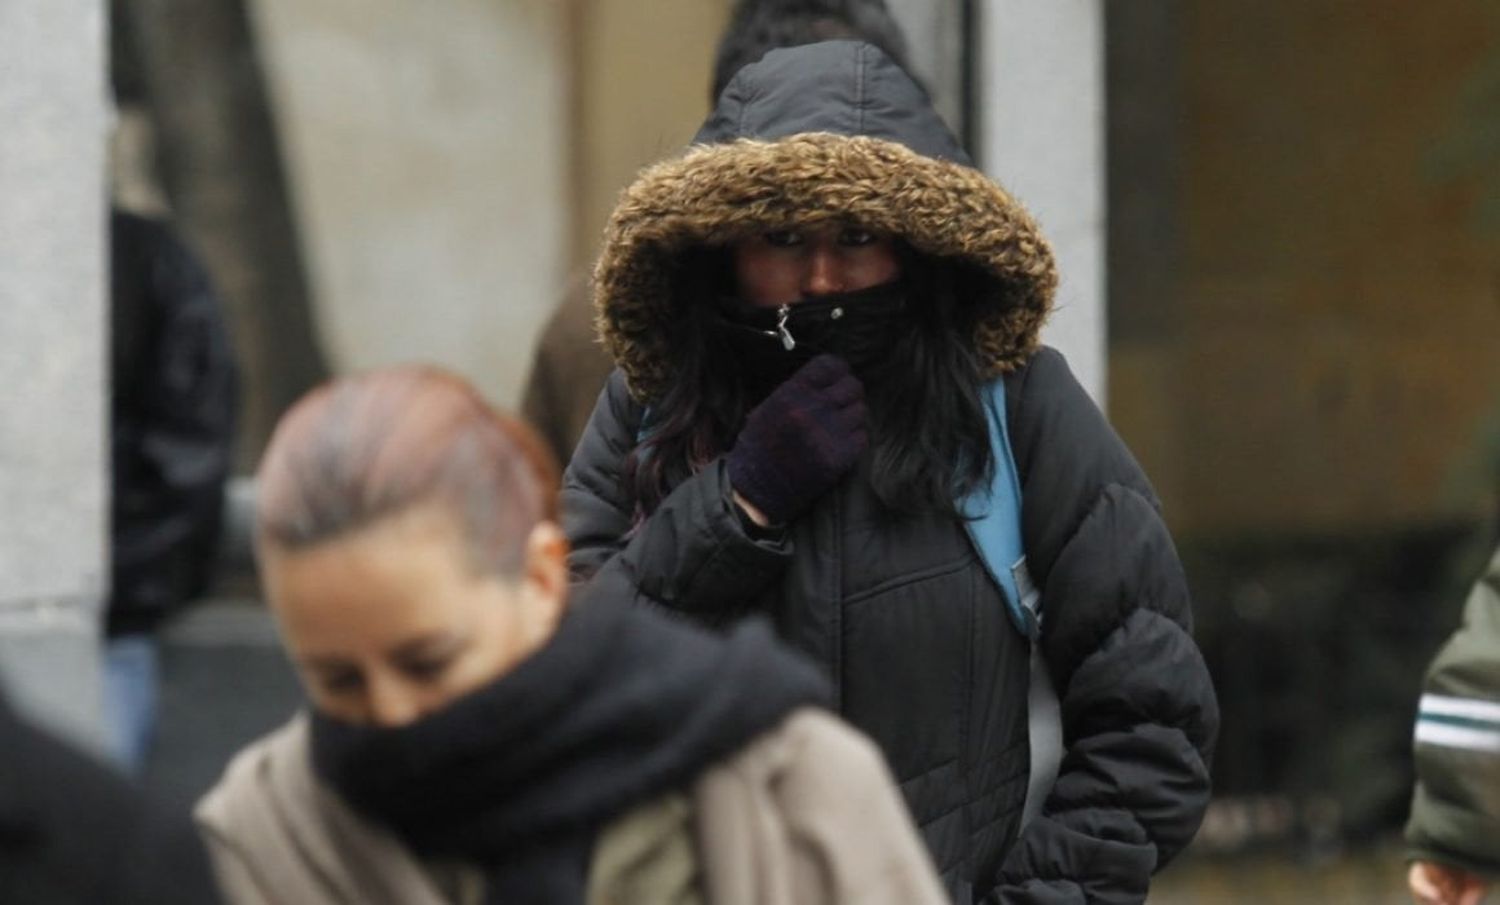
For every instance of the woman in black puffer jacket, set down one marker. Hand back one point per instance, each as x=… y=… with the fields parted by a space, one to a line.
x=811 y=310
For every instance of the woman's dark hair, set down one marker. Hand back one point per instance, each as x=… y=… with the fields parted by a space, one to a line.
x=702 y=413
x=929 y=427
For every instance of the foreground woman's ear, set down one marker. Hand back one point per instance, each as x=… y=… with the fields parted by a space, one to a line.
x=545 y=578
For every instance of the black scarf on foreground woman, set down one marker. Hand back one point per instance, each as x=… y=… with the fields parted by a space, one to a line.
x=622 y=704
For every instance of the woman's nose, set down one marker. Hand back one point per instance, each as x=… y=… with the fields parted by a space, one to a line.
x=824 y=274
x=391 y=704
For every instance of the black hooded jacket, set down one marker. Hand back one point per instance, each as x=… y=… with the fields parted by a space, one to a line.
x=174 y=386
x=899 y=609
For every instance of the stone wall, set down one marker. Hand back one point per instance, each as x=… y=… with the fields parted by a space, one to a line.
x=643 y=72
x=1313 y=350
x=428 y=151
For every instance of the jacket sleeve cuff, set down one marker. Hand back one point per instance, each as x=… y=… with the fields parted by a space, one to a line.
x=1443 y=832
x=695 y=554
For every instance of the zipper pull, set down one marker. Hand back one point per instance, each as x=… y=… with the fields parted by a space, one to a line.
x=787 y=342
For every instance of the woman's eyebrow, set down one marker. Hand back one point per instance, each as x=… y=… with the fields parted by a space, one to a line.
x=326 y=663
x=432 y=644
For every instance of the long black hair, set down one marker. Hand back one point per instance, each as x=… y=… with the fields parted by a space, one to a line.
x=928 y=425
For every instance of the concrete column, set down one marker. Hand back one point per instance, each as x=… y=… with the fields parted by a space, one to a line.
x=935 y=45
x=52 y=351
x=1041 y=103
x=427 y=147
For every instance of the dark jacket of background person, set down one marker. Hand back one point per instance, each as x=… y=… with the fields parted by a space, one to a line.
x=695 y=768
x=898 y=608
x=72 y=832
x=569 y=366
x=1455 y=812
x=567 y=373
x=173 y=403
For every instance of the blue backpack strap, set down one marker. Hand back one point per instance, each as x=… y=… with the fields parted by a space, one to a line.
x=995 y=527
x=995 y=522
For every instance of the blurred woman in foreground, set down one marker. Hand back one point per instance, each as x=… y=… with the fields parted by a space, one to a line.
x=472 y=737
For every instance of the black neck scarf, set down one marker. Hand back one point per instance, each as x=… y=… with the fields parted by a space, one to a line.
x=621 y=705
x=862 y=327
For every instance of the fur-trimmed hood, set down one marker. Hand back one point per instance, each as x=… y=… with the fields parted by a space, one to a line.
x=811 y=134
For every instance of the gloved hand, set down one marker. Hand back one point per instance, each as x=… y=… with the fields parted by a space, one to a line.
x=800 y=440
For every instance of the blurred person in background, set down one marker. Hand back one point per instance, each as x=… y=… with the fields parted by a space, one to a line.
x=569 y=367
x=1454 y=831
x=74 y=832
x=173 y=401
x=815 y=311
x=475 y=736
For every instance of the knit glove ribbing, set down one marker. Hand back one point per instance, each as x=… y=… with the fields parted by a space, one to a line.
x=798 y=443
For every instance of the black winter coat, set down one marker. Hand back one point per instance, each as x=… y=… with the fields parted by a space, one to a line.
x=174 y=388
x=72 y=832
x=899 y=609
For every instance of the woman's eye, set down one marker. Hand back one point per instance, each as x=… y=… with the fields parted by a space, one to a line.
x=783 y=238
x=426 y=670
x=855 y=237
x=342 y=682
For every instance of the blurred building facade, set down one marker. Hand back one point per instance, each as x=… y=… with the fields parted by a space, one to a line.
x=427 y=149
x=445 y=171
x=452 y=168
x=1304 y=310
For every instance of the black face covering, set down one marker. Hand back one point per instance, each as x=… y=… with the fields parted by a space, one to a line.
x=862 y=327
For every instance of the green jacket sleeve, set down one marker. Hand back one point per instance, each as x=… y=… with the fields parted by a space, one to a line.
x=1455 y=815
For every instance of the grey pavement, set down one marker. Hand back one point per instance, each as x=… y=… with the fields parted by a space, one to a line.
x=225 y=682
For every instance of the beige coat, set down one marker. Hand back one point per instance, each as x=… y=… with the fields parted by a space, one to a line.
x=807 y=813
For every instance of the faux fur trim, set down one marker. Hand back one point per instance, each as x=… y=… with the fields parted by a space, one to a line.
x=715 y=194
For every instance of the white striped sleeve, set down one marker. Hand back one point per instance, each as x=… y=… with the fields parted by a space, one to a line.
x=1470 y=724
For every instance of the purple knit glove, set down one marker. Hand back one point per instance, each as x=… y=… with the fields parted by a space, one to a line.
x=800 y=440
